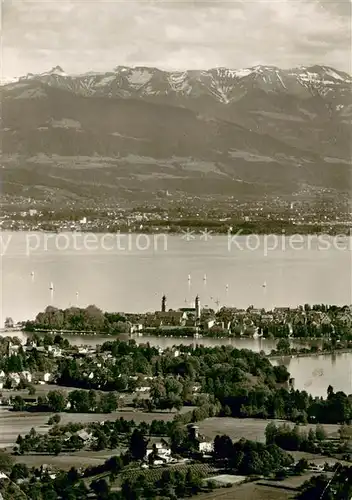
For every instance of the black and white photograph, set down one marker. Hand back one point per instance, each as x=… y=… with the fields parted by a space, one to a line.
x=176 y=249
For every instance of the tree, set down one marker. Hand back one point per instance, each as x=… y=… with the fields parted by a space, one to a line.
x=72 y=475
x=54 y=420
x=19 y=440
x=138 y=445
x=193 y=480
x=54 y=447
x=345 y=432
x=92 y=398
x=301 y=465
x=281 y=373
x=101 y=441
x=80 y=401
x=320 y=433
x=75 y=442
x=270 y=433
x=18 y=404
x=31 y=390
x=100 y=488
x=114 y=464
x=283 y=346
x=178 y=436
x=6 y=461
x=311 y=436
x=223 y=447
x=227 y=411
x=108 y=402
x=19 y=471
x=128 y=490
x=315 y=488
x=157 y=390
x=56 y=401
x=14 y=363
x=338 y=408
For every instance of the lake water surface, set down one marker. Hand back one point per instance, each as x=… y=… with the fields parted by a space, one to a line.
x=131 y=275
x=124 y=277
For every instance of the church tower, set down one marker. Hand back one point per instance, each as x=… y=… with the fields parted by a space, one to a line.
x=163 y=304
x=197 y=307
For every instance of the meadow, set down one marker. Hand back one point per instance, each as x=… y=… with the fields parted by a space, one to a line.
x=250 y=428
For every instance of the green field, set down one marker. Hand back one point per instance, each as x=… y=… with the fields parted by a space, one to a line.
x=249 y=428
x=294 y=481
x=14 y=423
x=247 y=491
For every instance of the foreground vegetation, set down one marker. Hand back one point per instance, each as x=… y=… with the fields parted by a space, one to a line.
x=121 y=477
x=232 y=382
x=212 y=382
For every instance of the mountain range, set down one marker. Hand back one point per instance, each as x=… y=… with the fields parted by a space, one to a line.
x=133 y=132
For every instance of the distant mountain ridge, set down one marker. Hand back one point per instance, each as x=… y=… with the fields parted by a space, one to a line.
x=221 y=84
x=253 y=129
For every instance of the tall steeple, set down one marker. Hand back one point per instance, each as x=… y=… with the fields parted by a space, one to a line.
x=197 y=307
x=163 y=304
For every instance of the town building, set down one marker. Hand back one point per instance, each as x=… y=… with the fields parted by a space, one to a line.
x=158 y=452
x=202 y=444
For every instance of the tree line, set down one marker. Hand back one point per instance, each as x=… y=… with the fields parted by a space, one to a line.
x=89 y=319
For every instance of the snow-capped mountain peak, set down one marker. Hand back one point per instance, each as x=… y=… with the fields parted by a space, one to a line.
x=57 y=70
x=221 y=84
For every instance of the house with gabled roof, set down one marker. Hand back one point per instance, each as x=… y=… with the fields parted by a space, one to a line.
x=158 y=451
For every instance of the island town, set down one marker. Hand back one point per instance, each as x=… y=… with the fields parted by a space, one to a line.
x=319 y=321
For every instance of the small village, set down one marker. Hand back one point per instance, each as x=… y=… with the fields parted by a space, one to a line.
x=331 y=323
x=315 y=321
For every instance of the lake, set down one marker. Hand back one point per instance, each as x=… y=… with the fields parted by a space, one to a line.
x=131 y=272
x=128 y=275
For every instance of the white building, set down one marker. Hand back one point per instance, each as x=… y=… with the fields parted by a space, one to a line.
x=158 y=452
x=206 y=446
x=27 y=376
x=143 y=389
x=55 y=350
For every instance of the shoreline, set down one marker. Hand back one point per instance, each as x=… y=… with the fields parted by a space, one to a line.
x=126 y=337
x=345 y=350
x=286 y=230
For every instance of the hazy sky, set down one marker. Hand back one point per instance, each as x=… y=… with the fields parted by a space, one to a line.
x=99 y=35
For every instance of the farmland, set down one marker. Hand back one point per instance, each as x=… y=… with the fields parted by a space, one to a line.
x=14 y=423
x=40 y=390
x=249 y=428
x=293 y=482
x=63 y=461
x=154 y=475
x=248 y=491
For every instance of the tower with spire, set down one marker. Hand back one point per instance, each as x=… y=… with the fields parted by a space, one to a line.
x=197 y=307
x=163 y=304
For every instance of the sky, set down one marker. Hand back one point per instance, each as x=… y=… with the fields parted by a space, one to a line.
x=87 y=35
